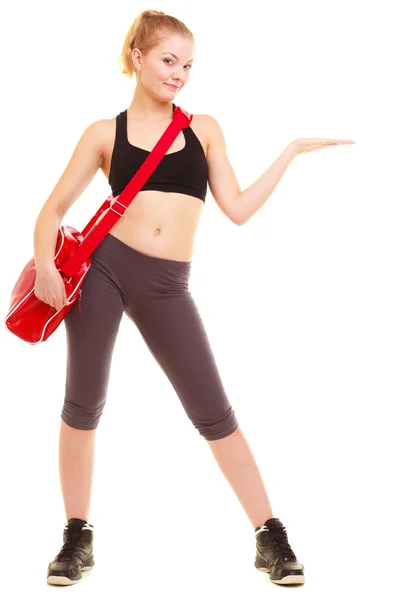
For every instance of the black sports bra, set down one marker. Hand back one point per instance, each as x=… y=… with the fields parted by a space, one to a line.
x=184 y=171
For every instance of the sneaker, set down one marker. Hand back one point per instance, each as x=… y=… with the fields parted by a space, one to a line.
x=76 y=554
x=274 y=554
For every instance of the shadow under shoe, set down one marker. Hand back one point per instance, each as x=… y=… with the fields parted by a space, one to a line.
x=275 y=556
x=75 y=556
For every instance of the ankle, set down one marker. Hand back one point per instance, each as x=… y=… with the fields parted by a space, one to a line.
x=267 y=517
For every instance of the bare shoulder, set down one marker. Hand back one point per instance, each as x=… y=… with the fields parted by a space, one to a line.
x=208 y=126
x=101 y=133
x=205 y=122
x=103 y=128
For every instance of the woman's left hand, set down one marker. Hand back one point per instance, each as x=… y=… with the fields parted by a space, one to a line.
x=310 y=144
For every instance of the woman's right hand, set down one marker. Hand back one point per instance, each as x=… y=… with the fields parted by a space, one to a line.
x=50 y=287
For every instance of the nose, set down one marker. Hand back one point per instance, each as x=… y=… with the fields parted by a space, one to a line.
x=178 y=76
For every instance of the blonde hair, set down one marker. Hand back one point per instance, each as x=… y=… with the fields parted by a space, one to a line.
x=146 y=31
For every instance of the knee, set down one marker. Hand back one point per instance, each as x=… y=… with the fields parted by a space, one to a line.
x=217 y=430
x=81 y=417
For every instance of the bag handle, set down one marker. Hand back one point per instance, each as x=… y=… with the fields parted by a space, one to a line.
x=94 y=234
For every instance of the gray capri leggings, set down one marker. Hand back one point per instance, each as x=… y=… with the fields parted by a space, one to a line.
x=153 y=292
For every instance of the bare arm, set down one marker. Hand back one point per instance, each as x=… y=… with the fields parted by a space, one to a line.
x=82 y=167
x=249 y=201
x=239 y=205
x=222 y=178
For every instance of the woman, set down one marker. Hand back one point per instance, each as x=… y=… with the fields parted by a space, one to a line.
x=142 y=269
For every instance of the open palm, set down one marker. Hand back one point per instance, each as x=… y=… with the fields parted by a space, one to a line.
x=310 y=144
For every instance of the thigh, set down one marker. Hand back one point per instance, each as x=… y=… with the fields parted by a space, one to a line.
x=171 y=326
x=91 y=334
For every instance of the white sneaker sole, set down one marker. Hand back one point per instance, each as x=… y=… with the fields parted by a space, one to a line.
x=288 y=580
x=61 y=580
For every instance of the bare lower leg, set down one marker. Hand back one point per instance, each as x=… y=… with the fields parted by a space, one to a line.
x=237 y=463
x=76 y=463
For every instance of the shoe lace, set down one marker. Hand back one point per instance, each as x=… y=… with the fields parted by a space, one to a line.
x=69 y=546
x=281 y=540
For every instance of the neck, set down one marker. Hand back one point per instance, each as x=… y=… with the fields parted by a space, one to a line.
x=147 y=109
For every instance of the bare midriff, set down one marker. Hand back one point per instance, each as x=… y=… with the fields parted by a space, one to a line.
x=160 y=224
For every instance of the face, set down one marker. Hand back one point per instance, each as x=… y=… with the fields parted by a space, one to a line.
x=168 y=64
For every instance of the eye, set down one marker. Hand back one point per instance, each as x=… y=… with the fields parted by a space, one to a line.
x=190 y=66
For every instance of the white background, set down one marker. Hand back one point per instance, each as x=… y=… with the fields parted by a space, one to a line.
x=301 y=305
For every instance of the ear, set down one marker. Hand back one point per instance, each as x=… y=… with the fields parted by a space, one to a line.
x=136 y=57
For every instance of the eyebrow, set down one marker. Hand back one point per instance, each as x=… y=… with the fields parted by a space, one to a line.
x=175 y=56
